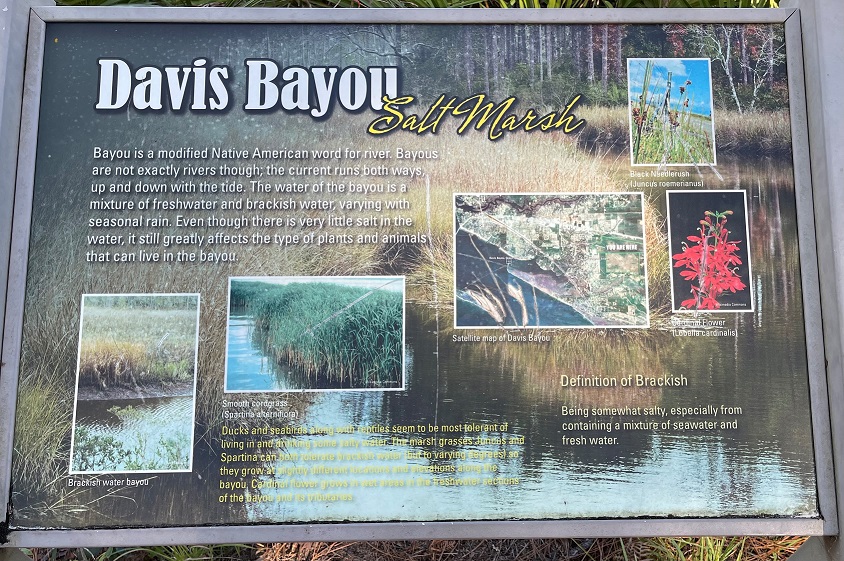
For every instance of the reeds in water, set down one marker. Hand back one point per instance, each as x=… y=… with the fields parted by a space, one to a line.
x=337 y=336
x=664 y=128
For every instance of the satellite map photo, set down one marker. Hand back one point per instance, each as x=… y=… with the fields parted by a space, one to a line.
x=550 y=260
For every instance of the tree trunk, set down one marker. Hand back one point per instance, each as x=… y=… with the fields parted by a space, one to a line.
x=397 y=46
x=540 y=40
x=468 y=59
x=576 y=47
x=726 y=62
x=511 y=43
x=530 y=54
x=620 y=71
x=590 y=55
x=486 y=63
x=770 y=54
x=605 y=32
x=496 y=60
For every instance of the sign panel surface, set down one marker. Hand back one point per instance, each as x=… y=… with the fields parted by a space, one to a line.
x=406 y=272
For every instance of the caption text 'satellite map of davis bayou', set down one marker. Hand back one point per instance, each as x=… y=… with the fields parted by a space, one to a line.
x=550 y=260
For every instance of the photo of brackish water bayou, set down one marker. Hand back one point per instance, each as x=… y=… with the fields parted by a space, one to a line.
x=466 y=317
x=135 y=384
x=319 y=333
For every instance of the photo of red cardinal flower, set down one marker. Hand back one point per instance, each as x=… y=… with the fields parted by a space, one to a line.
x=710 y=261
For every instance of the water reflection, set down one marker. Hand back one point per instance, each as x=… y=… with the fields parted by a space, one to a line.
x=247 y=367
x=121 y=435
x=759 y=462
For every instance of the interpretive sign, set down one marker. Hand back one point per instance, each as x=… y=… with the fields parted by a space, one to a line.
x=382 y=270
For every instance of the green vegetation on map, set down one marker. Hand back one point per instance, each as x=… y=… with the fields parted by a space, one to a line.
x=561 y=260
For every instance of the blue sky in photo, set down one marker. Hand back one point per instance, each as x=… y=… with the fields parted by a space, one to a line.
x=699 y=92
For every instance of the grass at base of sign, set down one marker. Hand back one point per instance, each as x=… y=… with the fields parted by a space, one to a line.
x=738 y=548
x=231 y=552
x=601 y=549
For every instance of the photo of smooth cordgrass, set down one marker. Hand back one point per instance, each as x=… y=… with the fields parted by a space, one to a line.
x=134 y=407
x=670 y=111
x=315 y=333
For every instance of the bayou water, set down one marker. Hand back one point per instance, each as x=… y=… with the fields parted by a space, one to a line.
x=754 y=375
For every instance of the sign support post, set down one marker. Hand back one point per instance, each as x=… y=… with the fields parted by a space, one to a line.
x=14 y=23
x=822 y=42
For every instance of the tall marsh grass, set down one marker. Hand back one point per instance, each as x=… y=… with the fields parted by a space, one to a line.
x=348 y=337
x=41 y=459
x=763 y=133
x=137 y=340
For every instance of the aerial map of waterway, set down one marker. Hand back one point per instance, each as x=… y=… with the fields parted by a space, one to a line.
x=550 y=260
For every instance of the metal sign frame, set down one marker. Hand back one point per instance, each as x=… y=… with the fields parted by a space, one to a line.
x=826 y=524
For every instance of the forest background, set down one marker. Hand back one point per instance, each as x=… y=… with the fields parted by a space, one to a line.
x=601 y=66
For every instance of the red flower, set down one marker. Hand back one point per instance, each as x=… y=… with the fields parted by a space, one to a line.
x=709 y=263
